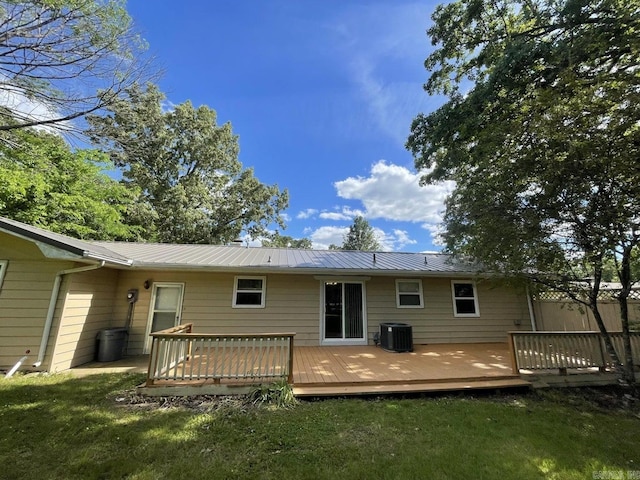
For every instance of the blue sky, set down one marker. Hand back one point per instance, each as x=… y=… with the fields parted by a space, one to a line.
x=321 y=94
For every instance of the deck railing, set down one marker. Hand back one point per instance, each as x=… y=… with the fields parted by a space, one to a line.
x=567 y=350
x=179 y=355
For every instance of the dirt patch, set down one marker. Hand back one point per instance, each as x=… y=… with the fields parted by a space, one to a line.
x=130 y=399
x=609 y=398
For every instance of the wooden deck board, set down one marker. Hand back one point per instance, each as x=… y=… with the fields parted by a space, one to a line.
x=363 y=370
x=388 y=388
x=353 y=370
x=346 y=364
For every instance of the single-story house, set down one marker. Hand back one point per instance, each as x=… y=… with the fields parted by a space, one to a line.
x=57 y=293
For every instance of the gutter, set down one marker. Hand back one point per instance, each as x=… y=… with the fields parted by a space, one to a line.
x=102 y=258
x=52 y=306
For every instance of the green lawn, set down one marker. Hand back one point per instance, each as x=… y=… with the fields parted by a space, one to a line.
x=64 y=428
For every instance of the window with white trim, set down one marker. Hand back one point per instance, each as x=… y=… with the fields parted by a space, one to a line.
x=409 y=293
x=249 y=292
x=3 y=269
x=465 y=299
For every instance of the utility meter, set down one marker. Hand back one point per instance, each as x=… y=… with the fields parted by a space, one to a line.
x=132 y=295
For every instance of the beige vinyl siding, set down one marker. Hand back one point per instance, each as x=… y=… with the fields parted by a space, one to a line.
x=135 y=279
x=501 y=311
x=88 y=308
x=24 y=300
x=292 y=305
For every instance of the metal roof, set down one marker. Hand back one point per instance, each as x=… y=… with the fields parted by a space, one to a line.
x=236 y=258
x=159 y=256
x=61 y=243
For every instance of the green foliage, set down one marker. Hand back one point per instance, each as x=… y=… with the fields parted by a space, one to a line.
x=187 y=168
x=284 y=241
x=360 y=236
x=545 y=146
x=278 y=394
x=61 y=59
x=44 y=183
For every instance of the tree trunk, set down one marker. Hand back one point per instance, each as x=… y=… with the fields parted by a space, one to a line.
x=629 y=374
x=623 y=297
x=608 y=344
x=593 y=305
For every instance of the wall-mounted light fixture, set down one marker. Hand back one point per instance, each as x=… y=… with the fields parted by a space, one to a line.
x=147 y=284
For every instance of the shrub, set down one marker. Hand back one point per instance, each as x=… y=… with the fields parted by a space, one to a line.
x=278 y=394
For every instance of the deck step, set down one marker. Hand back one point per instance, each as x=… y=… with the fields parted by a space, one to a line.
x=419 y=381
x=413 y=387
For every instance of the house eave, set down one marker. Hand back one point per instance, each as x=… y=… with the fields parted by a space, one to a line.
x=56 y=250
x=263 y=270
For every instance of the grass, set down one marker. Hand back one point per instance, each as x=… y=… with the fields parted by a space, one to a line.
x=59 y=427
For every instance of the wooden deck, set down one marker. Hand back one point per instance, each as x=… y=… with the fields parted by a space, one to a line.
x=186 y=363
x=363 y=370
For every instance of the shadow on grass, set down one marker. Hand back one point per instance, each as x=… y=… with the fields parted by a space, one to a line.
x=64 y=427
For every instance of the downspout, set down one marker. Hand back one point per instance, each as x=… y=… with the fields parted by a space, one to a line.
x=532 y=317
x=52 y=307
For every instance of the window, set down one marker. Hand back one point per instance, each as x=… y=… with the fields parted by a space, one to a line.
x=409 y=294
x=249 y=292
x=465 y=301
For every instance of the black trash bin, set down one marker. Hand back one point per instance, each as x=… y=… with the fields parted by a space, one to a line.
x=110 y=344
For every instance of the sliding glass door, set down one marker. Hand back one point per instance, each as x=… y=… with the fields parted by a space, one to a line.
x=344 y=313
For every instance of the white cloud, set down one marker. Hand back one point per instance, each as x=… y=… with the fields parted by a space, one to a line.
x=324 y=236
x=327 y=235
x=341 y=214
x=436 y=232
x=384 y=47
x=392 y=192
x=402 y=238
x=334 y=216
x=393 y=241
x=308 y=213
x=27 y=109
x=167 y=106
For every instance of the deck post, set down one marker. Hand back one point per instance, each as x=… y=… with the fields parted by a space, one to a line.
x=603 y=358
x=290 y=375
x=153 y=359
x=190 y=344
x=514 y=358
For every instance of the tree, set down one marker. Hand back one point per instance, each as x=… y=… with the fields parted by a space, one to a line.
x=544 y=145
x=43 y=183
x=610 y=267
x=285 y=241
x=187 y=168
x=62 y=59
x=359 y=237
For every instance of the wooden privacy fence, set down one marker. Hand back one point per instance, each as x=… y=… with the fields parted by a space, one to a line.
x=567 y=350
x=179 y=355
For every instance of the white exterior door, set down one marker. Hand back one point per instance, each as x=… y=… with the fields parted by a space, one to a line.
x=166 y=308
